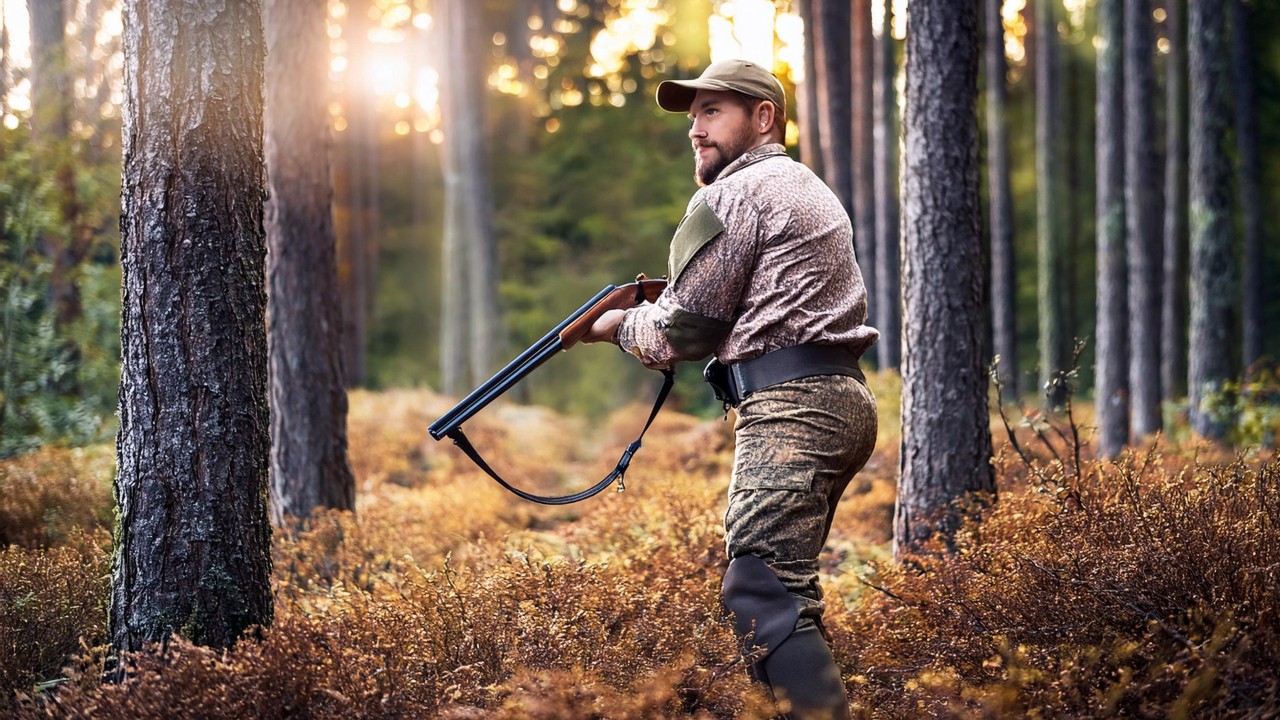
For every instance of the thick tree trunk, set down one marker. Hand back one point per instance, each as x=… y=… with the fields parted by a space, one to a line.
x=1051 y=263
x=888 y=270
x=863 y=156
x=309 y=465
x=1111 y=385
x=1003 y=278
x=946 y=441
x=470 y=288
x=1214 y=285
x=807 y=94
x=193 y=546
x=1173 y=321
x=834 y=83
x=1142 y=217
x=1242 y=60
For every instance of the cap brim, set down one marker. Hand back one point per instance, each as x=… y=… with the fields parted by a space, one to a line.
x=677 y=95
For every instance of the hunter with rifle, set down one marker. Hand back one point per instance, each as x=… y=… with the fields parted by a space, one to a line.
x=762 y=275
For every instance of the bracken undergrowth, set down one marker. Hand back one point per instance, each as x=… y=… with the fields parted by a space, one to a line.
x=1140 y=587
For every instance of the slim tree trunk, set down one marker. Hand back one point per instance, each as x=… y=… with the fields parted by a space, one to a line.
x=863 y=155
x=470 y=257
x=1214 y=284
x=888 y=287
x=1173 y=321
x=1242 y=60
x=946 y=441
x=309 y=465
x=51 y=102
x=1051 y=264
x=1003 y=278
x=1142 y=217
x=4 y=60
x=1111 y=385
x=352 y=177
x=807 y=95
x=834 y=83
x=193 y=545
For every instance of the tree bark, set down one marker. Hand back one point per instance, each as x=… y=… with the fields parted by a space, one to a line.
x=309 y=467
x=193 y=546
x=1214 y=284
x=807 y=94
x=1111 y=384
x=834 y=83
x=471 y=280
x=1003 y=277
x=1050 y=261
x=863 y=155
x=888 y=270
x=1142 y=217
x=1173 y=321
x=946 y=441
x=1242 y=60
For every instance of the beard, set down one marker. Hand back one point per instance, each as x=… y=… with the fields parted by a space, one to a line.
x=706 y=170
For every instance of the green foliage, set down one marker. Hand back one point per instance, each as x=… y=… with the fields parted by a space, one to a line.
x=1249 y=408
x=58 y=382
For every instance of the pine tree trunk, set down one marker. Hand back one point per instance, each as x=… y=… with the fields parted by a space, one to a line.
x=1173 y=321
x=1242 y=60
x=863 y=155
x=1051 y=263
x=193 y=545
x=1142 y=217
x=888 y=270
x=1111 y=384
x=352 y=179
x=1003 y=278
x=946 y=441
x=309 y=467
x=1214 y=284
x=51 y=102
x=807 y=95
x=834 y=83
x=471 y=308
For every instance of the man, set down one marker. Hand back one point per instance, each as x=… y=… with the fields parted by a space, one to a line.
x=762 y=274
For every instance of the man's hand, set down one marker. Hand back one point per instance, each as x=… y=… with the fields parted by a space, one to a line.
x=605 y=328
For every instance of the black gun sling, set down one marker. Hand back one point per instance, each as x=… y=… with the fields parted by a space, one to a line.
x=460 y=439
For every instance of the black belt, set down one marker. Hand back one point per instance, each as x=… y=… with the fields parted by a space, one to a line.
x=734 y=382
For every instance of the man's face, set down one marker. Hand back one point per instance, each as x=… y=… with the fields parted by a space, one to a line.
x=721 y=129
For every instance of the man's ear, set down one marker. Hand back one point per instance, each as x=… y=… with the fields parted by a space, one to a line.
x=764 y=115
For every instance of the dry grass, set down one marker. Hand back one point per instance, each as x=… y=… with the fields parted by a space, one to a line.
x=1142 y=588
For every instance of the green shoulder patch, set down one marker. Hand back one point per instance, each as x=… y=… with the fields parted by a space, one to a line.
x=697 y=228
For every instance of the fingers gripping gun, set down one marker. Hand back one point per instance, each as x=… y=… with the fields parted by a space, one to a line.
x=561 y=337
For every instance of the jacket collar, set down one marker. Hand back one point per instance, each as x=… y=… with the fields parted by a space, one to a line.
x=751 y=157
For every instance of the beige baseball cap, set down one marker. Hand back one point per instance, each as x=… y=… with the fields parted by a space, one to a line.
x=743 y=76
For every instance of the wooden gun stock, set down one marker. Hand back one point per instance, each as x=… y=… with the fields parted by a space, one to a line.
x=620 y=298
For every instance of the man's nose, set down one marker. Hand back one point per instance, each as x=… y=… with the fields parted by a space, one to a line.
x=695 y=131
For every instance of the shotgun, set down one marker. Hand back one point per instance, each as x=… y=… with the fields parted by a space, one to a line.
x=562 y=337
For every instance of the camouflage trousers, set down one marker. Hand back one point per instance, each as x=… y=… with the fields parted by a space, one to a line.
x=799 y=444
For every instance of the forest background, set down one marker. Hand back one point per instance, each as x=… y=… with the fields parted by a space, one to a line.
x=1141 y=586
x=587 y=179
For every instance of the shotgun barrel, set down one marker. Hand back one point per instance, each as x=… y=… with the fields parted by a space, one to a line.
x=513 y=373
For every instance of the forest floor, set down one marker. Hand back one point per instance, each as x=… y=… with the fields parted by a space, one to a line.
x=1141 y=587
